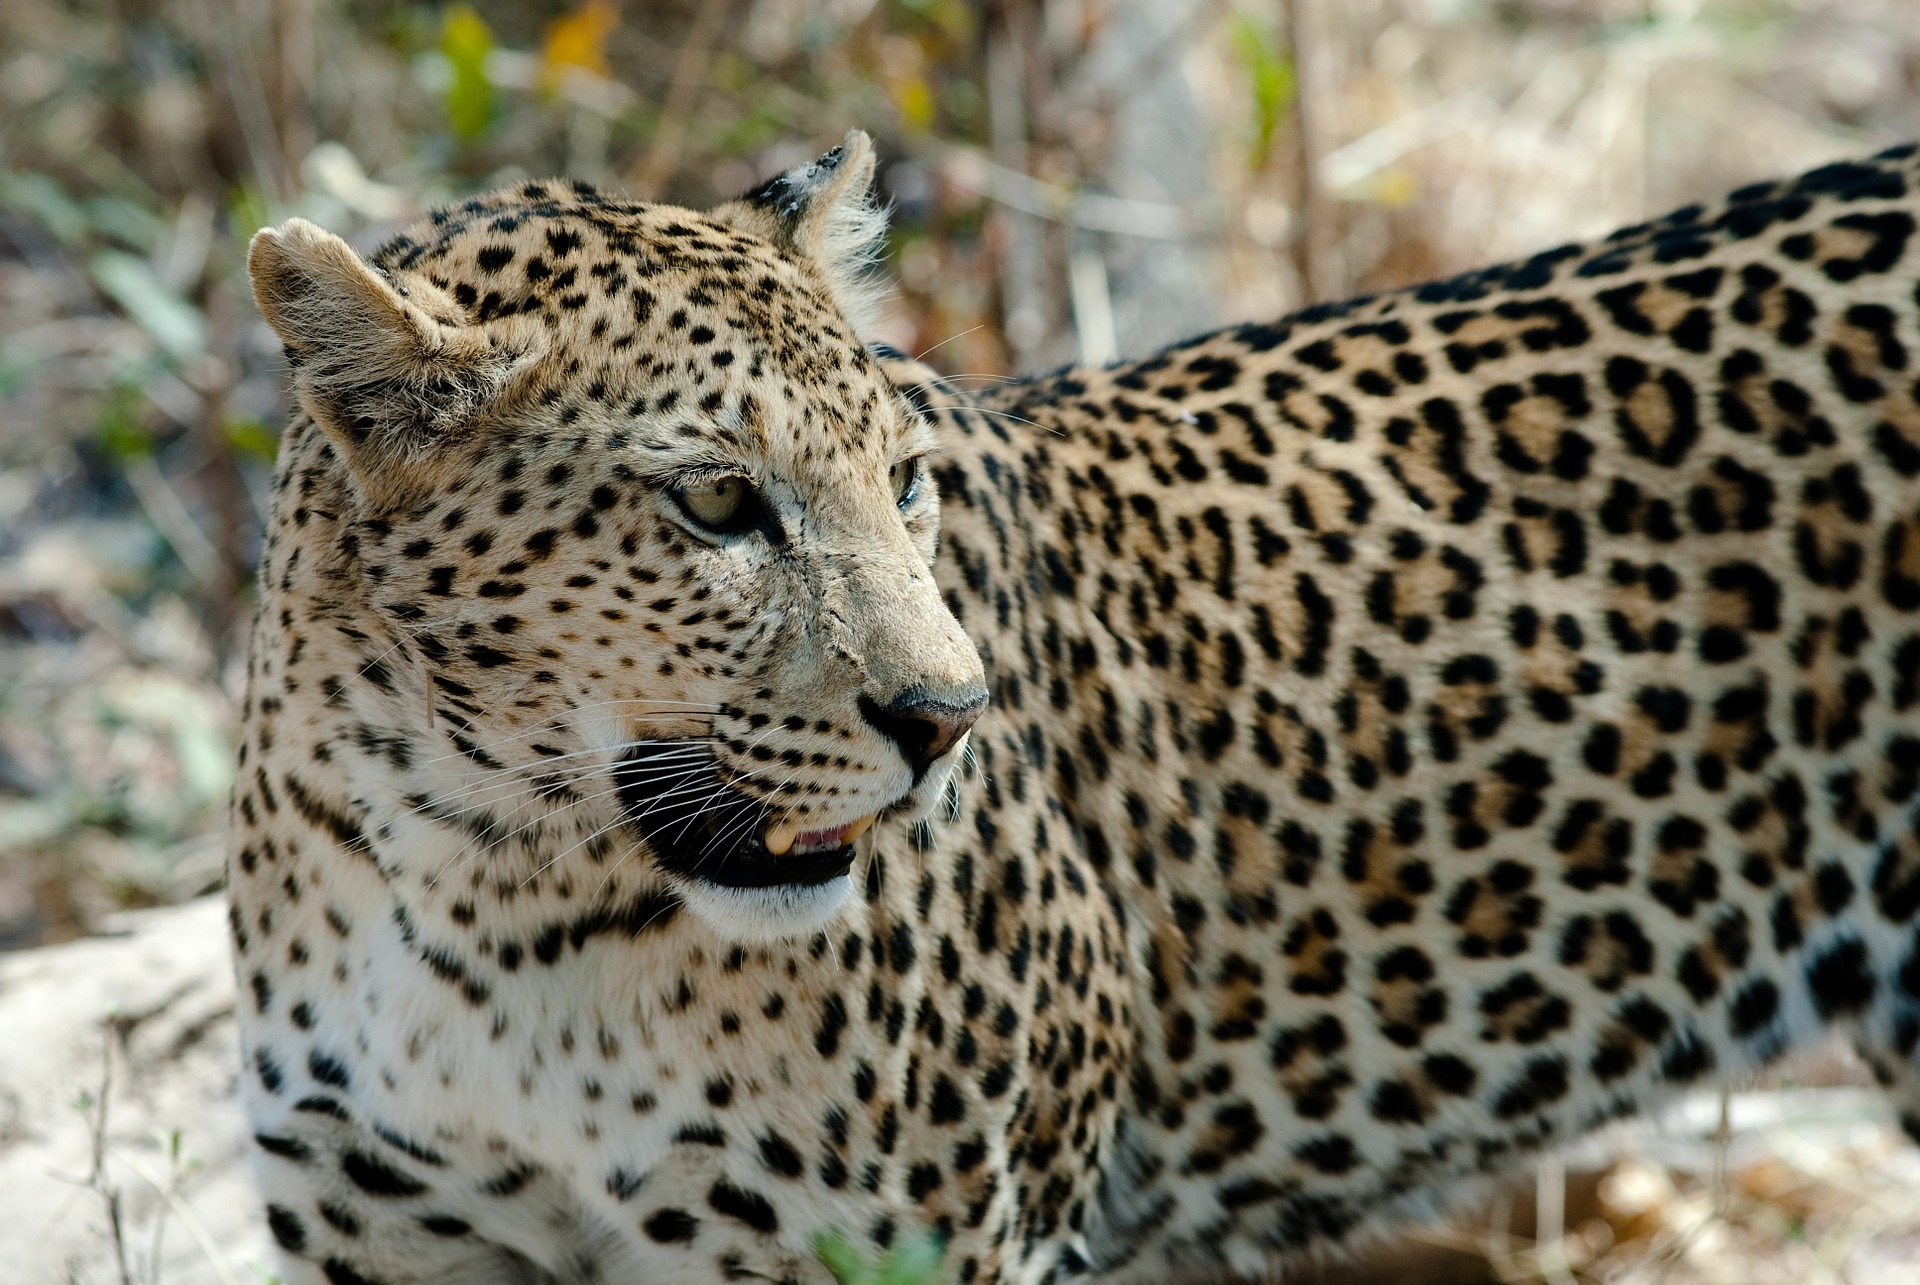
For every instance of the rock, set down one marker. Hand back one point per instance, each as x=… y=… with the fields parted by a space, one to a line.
x=119 y=1088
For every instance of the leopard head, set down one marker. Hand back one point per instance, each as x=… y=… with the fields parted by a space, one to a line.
x=650 y=517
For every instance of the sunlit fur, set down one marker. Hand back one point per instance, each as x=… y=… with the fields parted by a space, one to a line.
x=1423 y=728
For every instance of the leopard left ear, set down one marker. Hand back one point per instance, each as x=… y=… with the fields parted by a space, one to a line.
x=825 y=212
x=388 y=371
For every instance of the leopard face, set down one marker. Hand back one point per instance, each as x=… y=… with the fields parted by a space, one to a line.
x=663 y=546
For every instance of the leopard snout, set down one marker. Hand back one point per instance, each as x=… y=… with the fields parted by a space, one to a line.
x=925 y=724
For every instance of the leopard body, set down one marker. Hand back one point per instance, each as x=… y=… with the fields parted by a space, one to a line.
x=1422 y=729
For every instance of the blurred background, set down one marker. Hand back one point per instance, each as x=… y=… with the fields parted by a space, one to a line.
x=1071 y=180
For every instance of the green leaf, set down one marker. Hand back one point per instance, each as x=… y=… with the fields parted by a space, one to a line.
x=253 y=438
x=174 y=324
x=247 y=211
x=16 y=371
x=45 y=201
x=465 y=41
x=1270 y=69
x=915 y=1261
x=842 y=1258
x=125 y=222
x=122 y=432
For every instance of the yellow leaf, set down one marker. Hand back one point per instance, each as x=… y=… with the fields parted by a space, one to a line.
x=913 y=99
x=577 y=41
x=466 y=40
x=1394 y=186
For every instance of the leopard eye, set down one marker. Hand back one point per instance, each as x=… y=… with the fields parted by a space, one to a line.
x=718 y=504
x=905 y=480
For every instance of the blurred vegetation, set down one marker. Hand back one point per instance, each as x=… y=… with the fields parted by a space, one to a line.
x=1188 y=161
x=1069 y=177
x=1320 y=147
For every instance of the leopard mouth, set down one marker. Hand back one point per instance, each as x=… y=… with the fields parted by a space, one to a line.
x=699 y=827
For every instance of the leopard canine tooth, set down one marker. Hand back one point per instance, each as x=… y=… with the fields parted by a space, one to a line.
x=857 y=829
x=779 y=839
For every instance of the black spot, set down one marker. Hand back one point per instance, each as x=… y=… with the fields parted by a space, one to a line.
x=1753 y=1008
x=378 y=1178
x=945 y=1105
x=744 y=1206
x=1332 y=1154
x=339 y=1272
x=1839 y=979
x=778 y=1155
x=670 y=1226
x=328 y=1070
x=288 y=1232
x=1396 y=1102
x=287 y=1148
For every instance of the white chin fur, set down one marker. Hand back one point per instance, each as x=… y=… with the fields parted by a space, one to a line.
x=766 y=915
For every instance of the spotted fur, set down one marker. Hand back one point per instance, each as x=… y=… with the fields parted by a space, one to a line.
x=1421 y=729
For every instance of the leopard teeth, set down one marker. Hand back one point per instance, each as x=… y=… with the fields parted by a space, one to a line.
x=779 y=839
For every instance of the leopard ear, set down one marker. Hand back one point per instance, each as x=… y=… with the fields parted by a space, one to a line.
x=825 y=212
x=388 y=371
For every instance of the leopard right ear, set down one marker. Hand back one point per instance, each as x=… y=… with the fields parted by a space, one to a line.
x=826 y=213
x=389 y=371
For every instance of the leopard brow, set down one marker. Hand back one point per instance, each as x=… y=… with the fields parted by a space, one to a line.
x=693 y=469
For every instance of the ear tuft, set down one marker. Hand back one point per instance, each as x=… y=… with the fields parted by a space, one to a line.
x=341 y=321
x=380 y=375
x=826 y=211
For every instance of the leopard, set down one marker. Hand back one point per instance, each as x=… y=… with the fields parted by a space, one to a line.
x=713 y=788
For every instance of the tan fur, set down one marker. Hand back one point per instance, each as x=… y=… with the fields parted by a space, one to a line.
x=1423 y=728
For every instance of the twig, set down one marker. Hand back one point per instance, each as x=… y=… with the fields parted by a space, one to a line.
x=240 y=74
x=169 y=513
x=1550 y=1221
x=1102 y=93
x=195 y=1229
x=1091 y=211
x=683 y=90
x=1022 y=259
x=1312 y=249
x=97 y=1179
x=1092 y=306
x=293 y=33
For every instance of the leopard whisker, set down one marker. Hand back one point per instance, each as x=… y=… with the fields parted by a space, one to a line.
x=652 y=805
x=551 y=727
x=922 y=356
x=461 y=856
x=1003 y=414
x=497 y=781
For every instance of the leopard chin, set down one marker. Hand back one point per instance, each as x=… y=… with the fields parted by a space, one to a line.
x=768 y=915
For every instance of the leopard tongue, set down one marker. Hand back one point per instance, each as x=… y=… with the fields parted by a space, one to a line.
x=780 y=838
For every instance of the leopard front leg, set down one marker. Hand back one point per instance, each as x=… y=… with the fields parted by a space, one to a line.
x=353 y=1205
x=345 y=1209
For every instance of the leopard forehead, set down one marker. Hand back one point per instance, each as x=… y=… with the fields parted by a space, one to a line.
x=653 y=313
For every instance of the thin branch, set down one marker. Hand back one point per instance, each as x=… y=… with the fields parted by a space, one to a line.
x=1094 y=211
x=1313 y=240
x=683 y=92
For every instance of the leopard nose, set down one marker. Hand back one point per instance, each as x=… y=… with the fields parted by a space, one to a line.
x=925 y=724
